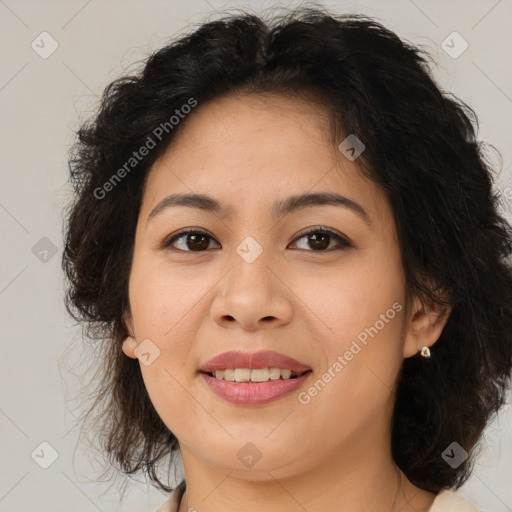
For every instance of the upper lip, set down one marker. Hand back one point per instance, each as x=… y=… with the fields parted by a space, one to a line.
x=254 y=360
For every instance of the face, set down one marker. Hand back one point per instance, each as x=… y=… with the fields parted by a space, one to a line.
x=249 y=280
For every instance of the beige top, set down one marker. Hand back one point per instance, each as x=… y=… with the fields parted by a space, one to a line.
x=446 y=501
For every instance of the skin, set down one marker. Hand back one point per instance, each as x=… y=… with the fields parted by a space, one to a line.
x=332 y=453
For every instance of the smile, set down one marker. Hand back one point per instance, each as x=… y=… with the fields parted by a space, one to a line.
x=253 y=393
x=253 y=378
x=254 y=375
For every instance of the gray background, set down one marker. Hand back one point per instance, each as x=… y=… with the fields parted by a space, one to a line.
x=42 y=101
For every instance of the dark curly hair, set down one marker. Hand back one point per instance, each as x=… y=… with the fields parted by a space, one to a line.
x=421 y=148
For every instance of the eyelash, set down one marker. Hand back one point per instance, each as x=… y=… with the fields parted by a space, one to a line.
x=343 y=242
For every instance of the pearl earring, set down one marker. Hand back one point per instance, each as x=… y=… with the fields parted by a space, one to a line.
x=425 y=352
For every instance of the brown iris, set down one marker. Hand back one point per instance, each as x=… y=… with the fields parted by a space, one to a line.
x=197 y=242
x=319 y=240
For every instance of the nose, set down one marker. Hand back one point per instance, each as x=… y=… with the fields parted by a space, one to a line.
x=252 y=296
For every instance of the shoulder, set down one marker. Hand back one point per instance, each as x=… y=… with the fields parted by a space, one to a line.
x=450 y=501
x=173 y=502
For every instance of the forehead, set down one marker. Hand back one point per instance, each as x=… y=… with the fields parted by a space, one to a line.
x=257 y=147
x=256 y=125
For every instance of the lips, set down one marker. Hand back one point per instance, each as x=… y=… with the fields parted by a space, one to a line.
x=254 y=360
x=254 y=394
x=274 y=370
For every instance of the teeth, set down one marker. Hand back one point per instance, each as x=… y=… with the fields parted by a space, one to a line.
x=260 y=375
x=242 y=375
x=229 y=375
x=286 y=374
x=275 y=373
x=255 y=375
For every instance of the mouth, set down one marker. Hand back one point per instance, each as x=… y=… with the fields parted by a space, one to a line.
x=256 y=378
x=256 y=375
x=263 y=360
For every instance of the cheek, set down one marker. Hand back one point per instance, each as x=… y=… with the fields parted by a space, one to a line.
x=345 y=300
x=360 y=363
x=163 y=298
x=360 y=313
x=163 y=306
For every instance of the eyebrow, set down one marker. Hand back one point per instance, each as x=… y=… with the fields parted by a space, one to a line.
x=280 y=208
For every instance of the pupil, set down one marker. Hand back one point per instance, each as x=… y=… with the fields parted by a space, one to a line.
x=317 y=244
x=194 y=239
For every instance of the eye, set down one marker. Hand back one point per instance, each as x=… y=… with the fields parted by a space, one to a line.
x=320 y=238
x=191 y=240
x=196 y=240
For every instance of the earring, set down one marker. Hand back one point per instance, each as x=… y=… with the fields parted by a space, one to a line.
x=425 y=352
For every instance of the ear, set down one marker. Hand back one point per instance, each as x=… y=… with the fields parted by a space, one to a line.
x=129 y=343
x=425 y=325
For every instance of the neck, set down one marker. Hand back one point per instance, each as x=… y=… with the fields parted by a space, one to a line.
x=356 y=478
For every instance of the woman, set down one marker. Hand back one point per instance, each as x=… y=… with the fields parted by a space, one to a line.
x=287 y=238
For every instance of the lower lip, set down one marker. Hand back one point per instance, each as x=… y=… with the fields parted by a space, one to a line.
x=258 y=393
